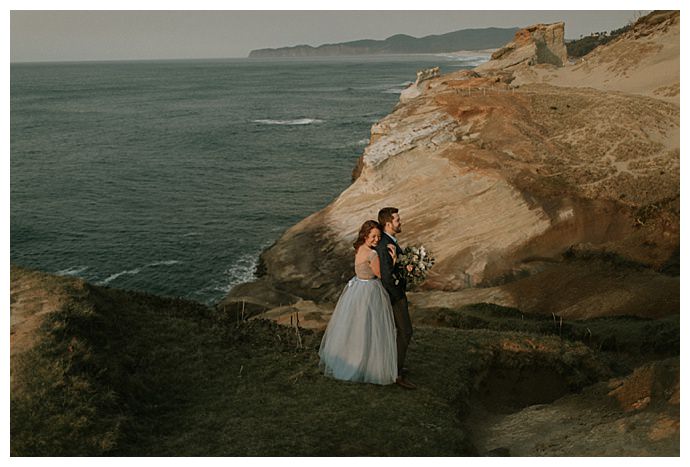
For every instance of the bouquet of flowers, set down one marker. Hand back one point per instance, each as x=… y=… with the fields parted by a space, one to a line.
x=415 y=263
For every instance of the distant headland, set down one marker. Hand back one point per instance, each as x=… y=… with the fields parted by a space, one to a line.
x=465 y=39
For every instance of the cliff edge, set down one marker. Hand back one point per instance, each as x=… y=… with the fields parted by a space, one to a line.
x=517 y=174
x=99 y=371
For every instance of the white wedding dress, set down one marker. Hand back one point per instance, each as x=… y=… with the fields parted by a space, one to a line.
x=359 y=342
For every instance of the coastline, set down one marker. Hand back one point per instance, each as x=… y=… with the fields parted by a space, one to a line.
x=375 y=56
x=553 y=212
x=227 y=123
x=507 y=156
x=460 y=54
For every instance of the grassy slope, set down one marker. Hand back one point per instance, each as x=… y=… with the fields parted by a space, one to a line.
x=124 y=373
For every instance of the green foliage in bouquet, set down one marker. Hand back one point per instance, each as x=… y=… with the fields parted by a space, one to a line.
x=421 y=261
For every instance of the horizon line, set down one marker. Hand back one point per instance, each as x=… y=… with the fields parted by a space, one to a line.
x=110 y=60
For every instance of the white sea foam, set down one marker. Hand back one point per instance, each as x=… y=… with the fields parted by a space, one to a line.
x=363 y=142
x=118 y=274
x=164 y=263
x=298 y=121
x=471 y=63
x=242 y=270
x=72 y=271
x=191 y=234
x=467 y=61
x=132 y=272
x=396 y=88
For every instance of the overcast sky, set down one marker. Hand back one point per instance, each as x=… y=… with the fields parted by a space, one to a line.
x=123 y=35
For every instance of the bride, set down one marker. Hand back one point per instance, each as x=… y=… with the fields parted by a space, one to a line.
x=359 y=342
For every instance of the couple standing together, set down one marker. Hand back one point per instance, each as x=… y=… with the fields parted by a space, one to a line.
x=367 y=337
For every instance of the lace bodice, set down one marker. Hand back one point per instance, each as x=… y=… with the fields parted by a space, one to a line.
x=363 y=270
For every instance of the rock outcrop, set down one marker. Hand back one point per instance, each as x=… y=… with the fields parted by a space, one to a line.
x=643 y=60
x=637 y=415
x=514 y=187
x=415 y=88
x=538 y=44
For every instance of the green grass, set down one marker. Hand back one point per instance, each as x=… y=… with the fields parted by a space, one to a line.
x=638 y=338
x=125 y=373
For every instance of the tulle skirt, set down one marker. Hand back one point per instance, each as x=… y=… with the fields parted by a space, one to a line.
x=359 y=342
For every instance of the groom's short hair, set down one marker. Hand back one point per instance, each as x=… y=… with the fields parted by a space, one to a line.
x=386 y=215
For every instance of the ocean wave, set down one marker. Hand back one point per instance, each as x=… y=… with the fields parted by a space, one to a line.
x=132 y=272
x=242 y=270
x=383 y=86
x=164 y=263
x=72 y=271
x=464 y=56
x=118 y=274
x=362 y=142
x=468 y=64
x=298 y=121
x=397 y=88
x=470 y=61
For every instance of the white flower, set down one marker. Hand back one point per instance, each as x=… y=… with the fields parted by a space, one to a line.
x=414 y=264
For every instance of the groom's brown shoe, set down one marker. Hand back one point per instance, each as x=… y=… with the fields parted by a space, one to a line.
x=402 y=382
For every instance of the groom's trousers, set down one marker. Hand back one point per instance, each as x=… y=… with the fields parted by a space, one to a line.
x=403 y=328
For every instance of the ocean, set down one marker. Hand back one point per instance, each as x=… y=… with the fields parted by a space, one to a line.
x=171 y=177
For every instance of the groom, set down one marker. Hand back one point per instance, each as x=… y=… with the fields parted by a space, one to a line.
x=394 y=282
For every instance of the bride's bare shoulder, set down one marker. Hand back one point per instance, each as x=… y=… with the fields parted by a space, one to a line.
x=364 y=252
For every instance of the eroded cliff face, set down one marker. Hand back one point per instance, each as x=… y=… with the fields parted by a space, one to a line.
x=521 y=190
x=541 y=43
x=644 y=60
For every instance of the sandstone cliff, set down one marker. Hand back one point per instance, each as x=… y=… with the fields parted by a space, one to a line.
x=551 y=188
x=541 y=43
x=544 y=197
x=644 y=60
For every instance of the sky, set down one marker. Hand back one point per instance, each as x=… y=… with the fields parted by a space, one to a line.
x=41 y=35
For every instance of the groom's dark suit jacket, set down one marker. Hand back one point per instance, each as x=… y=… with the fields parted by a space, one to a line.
x=390 y=273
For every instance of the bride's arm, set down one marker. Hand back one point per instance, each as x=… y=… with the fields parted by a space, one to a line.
x=391 y=250
x=376 y=266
